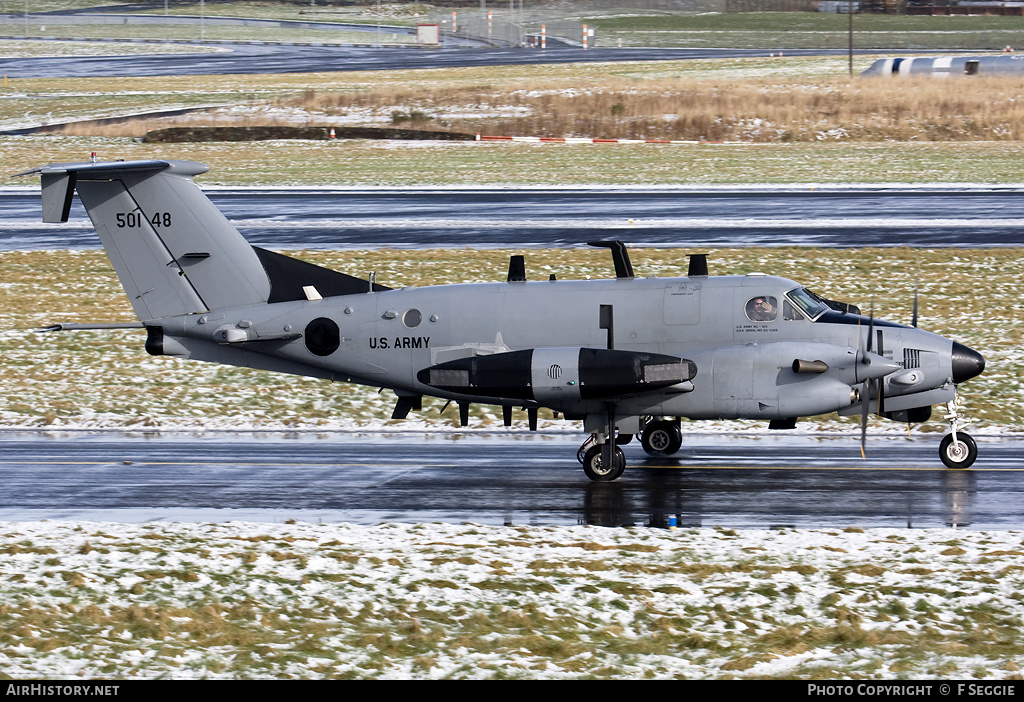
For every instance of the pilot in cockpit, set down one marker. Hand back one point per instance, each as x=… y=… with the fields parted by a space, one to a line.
x=761 y=309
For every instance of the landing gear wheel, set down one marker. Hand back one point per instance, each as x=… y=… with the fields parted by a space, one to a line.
x=594 y=468
x=662 y=438
x=959 y=454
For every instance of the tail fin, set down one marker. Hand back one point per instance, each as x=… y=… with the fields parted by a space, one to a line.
x=174 y=252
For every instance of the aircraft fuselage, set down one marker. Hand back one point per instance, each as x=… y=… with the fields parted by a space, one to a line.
x=744 y=366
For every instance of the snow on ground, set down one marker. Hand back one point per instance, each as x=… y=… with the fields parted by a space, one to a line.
x=22 y=48
x=246 y=600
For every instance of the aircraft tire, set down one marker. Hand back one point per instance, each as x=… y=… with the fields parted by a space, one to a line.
x=592 y=465
x=662 y=438
x=962 y=454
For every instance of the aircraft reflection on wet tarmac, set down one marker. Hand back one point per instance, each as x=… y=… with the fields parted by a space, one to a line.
x=775 y=498
x=372 y=478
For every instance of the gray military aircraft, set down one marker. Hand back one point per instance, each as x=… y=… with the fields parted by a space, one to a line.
x=625 y=355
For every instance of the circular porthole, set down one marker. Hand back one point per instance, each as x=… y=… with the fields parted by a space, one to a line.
x=412 y=318
x=322 y=337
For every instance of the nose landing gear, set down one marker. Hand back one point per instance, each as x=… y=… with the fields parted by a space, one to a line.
x=957 y=449
x=589 y=454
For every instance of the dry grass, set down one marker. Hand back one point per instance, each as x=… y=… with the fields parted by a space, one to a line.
x=752 y=110
x=758 y=110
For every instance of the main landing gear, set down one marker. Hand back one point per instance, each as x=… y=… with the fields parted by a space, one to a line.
x=661 y=437
x=957 y=449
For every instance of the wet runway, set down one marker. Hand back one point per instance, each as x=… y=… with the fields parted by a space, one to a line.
x=512 y=479
x=284 y=58
x=509 y=217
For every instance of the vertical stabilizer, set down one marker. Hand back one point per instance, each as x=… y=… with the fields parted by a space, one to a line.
x=174 y=252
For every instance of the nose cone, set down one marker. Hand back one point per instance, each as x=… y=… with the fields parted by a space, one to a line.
x=967 y=363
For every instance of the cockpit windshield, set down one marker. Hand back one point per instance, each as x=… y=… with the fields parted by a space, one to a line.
x=807 y=302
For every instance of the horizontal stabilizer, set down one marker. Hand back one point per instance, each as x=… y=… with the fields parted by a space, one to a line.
x=59 y=182
x=75 y=326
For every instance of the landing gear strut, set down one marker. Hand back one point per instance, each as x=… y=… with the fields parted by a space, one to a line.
x=957 y=449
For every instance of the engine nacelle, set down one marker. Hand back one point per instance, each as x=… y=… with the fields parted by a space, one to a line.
x=559 y=374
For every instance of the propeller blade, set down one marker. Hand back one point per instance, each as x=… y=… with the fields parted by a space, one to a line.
x=864 y=420
x=864 y=357
x=869 y=387
x=866 y=398
x=913 y=322
x=871 y=330
x=881 y=380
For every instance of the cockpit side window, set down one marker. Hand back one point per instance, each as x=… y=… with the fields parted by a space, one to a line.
x=789 y=312
x=762 y=308
x=807 y=302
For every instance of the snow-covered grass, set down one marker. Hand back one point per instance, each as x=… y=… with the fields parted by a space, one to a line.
x=243 y=600
x=432 y=163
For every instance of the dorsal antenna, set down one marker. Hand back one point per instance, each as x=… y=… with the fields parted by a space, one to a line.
x=620 y=257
